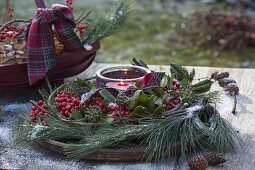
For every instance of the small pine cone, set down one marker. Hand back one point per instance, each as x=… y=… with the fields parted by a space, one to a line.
x=232 y=88
x=198 y=163
x=214 y=158
x=225 y=81
x=222 y=75
x=122 y=99
x=214 y=75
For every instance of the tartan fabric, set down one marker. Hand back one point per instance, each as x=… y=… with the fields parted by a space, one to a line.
x=40 y=39
x=151 y=79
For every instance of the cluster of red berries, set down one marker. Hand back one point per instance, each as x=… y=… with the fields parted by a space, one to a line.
x=69 y=3
x=81 y=28
x=36 y=111
x=11 y=31
x=171 y=104
x=66 y=102
x=119 y=111
x=96 y=101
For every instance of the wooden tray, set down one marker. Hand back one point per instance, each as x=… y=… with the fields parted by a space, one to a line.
x=105 y=155
x=67 y=65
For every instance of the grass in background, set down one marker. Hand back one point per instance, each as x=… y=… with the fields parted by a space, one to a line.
x=151 y=34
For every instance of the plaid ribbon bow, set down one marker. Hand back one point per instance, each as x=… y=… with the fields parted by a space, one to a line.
x=40 y=40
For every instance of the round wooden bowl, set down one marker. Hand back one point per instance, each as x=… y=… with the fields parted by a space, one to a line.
x=67 y=65
x=107 y=155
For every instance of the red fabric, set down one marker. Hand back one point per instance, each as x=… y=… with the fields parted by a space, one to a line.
x=40 y=40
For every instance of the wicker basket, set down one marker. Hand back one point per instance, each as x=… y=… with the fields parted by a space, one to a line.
x=67 y=65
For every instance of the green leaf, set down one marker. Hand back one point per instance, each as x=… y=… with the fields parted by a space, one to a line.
x=80 y=82
x=107 y=95
x=202 y=86
x=192 y=75
x=180 y=71
x=76 y=115
x=167 y=81
x=139 y=110
x=134 y=99
x=156 y=91
x=106 y=103
x=160 y=110
x=139 y=63
x=152 y=103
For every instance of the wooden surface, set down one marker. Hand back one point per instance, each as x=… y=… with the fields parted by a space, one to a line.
x=244 y=120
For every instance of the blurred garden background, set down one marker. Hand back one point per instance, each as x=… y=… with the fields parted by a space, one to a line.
x=218 y=33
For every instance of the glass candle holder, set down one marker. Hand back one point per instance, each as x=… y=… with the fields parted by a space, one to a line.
x=120 y=77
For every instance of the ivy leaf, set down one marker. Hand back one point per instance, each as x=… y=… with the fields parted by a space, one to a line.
x=139 y=63
x=160 y=110
x=192 y=75
x=202 y=86
x=139 y=110
x=107 y=95
x=76 y=114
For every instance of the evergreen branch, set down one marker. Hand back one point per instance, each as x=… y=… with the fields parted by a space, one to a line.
x=225 y=137
x=171 y=132
x=103 y=139
x=32 y=132
x=104 y=27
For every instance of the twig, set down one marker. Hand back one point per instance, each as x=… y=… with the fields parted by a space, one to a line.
x=234 y=106
x=13 y=21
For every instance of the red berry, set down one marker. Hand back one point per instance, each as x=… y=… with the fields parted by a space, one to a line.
x=64 y=104
x=34 y=108
x=40 y=102
x=33 y=118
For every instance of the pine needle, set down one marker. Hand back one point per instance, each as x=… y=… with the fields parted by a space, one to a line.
x=103 y=139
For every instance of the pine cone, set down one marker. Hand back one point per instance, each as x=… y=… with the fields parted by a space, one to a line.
x=232 y=88
x=198 y=163
x=214 y=158
x=219 y=75
x=225 y=81
x=122 y=99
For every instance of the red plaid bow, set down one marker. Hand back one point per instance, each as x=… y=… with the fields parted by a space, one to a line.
x=40 y=43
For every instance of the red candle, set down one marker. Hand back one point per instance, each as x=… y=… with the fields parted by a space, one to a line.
x=120 y=85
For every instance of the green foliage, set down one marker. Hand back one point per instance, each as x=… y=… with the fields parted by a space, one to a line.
x=202 y=86
x=181 y=73
x=107 y=95
x=140 y=63
x=104 y=138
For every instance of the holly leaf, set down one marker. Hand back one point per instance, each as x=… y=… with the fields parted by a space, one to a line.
x=105 y=103
x=139 y=63
x=180 y=72
x=167 y=81
x=76 y=114
x=134 y=99
x=152 y=103
x=139 y=110
x=192 y=75
x=107 y=95
x=159 y=110
x=202 y=86
x=80 y=82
